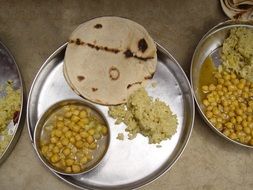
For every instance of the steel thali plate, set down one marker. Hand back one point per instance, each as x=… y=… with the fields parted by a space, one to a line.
x=9 y=72
x=211 y=45
x=128 y=164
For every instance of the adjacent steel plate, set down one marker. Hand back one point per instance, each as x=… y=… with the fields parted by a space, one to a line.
x=9 y=71
x=130 y=163
x=211 y=44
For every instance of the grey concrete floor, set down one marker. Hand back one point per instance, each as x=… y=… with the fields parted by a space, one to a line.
x=32 y=30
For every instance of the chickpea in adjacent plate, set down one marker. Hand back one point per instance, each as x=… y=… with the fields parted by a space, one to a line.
x=70 y=136
x=229 y=106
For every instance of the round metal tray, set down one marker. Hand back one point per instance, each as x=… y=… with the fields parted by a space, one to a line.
x=210 y=45
x=130 y=163
x=9 y=71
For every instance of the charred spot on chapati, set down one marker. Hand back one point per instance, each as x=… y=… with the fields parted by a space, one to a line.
x=143 y=58
x=128 y=53
x=129 y=85
x=113 y=50
x=94 y=89
x=78 y=41
x=142 y=45
x=114 y=73
x=80 y=78
x=98 y=26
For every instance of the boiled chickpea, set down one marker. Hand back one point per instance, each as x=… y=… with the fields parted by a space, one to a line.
x=65 y=141
x=65 y=129
x=205 y=88
x=76 y=168
x=104 y=130
x=75 y=118
x=79 y=144
x=89 y=157
x=68 y=134
x=76 y=128
x=80 y=123
x=55 y=158
x=44 y=149
x=91 y=131
x=58 y=133
x=66 y=108
x=211 y=87
x=50 y=146
x=73 y=107
x=78 y=137
x=90 y=139
x=54 y=139
x=83 y=114
x=72 y=140
x=80 y=154
x=60 y=124
x=59 y=144
x=69 y=162
x=60 y=118
x=97 y=136
x=85 y=150
x=68 y=114
x=75 y=112
x=206 y=102
x=86 y=145
x=84 y=134
x=247 y=130
x=93 y=146
x=63 y=163
x=84 y=160
x=56 y=150
x=68 y=170
x=86 y=120
x=66 y=151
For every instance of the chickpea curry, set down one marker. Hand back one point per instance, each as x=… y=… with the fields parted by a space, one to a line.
x=70 y=138
x=228 y=102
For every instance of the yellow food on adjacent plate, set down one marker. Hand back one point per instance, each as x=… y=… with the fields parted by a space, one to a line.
x=227 y=91
x=229 y=106
x=142 y=114
x=9 y=109
x=237 y=52
x=70 y=138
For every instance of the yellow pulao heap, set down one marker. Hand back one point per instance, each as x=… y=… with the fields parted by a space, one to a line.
x=237 y=52
x=9 y=104
x=142 y=114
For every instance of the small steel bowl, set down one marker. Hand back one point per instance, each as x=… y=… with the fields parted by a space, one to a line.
x=210 y=45
x=103 y=143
